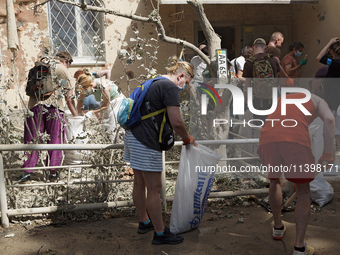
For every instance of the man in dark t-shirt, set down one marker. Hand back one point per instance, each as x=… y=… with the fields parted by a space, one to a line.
x=275 y=42
x=259 y=47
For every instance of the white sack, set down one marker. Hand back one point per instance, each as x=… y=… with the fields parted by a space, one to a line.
x=193 y=186
x=321 y=192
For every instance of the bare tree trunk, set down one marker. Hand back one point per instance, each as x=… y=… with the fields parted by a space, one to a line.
x=214 y=41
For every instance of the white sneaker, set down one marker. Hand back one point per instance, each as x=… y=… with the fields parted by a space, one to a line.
x=308 y=251
x=278 y=234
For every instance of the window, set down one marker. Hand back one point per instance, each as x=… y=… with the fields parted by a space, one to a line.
x=76 y=31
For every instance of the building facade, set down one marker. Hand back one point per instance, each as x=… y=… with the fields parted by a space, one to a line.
x=100 y=41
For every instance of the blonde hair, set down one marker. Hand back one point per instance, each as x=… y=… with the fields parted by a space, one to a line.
x=275 y=36
x=177 y=67
x=84 y=80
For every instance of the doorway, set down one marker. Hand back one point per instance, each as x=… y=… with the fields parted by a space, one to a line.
x=227 y=35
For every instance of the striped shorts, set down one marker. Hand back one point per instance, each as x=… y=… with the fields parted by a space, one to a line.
x=141 y=157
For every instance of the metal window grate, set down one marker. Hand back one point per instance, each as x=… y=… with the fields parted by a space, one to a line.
x=76 y=31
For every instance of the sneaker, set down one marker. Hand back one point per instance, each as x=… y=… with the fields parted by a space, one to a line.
x=54 y=177
x=278 y=234
x=23 y=178
x=145 y=228
x=166 y=238
x=308 y=251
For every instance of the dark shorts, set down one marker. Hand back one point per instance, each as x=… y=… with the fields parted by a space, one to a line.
x=294 y=160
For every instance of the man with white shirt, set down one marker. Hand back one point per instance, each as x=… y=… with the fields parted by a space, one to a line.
x=199 y=64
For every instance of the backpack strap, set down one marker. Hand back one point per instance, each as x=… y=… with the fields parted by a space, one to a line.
x=235 y=66
x=251 y=59
x=153 y=114
x=162 y=127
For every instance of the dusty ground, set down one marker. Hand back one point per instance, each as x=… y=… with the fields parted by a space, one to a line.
x=219 y=233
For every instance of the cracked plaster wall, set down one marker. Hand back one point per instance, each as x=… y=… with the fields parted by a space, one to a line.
x=33 y=32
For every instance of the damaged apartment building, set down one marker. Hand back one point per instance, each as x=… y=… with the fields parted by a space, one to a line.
x=96 y=40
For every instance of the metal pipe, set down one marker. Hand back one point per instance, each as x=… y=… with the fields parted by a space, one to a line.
x=3 y=199
x=32 y=147
x=243 y=193
x=68 y=208
x=72 y=208
x=64 y=166
x=163 y=191
x=246 y=152
x=40 y=147
x=25 y=147
x=237 y=193
x=63 y=183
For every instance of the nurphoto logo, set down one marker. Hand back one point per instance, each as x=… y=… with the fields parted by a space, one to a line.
x=239 y=105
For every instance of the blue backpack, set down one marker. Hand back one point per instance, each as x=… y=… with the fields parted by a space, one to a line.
x=129 y=111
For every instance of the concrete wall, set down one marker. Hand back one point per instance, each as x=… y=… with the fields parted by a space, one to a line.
x=315 y=25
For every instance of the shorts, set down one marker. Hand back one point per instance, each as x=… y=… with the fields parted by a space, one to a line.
x=337 y=122
x=294 y=160
x=141 y=157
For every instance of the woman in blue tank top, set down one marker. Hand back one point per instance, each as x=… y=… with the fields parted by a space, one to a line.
x=105 y=92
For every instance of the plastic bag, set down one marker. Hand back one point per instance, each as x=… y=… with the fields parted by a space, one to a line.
x=321 y=192
x=74 y=132
x=195 y=178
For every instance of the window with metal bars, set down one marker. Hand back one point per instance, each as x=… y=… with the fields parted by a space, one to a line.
x=76 y=31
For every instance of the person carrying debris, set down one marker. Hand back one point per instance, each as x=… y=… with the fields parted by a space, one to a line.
x=105 y=92
x=288 y=147
x=48 y=116
x=143 y=150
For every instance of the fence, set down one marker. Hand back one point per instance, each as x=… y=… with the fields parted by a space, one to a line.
x=5 y=212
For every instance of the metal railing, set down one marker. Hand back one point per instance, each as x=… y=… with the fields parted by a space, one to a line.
x=5 y=212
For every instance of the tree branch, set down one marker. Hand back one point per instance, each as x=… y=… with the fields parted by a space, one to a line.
x=214 y=42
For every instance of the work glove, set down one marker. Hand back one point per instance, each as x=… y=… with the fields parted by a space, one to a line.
x=326 y=156
x=303 y=62
x=189 y=140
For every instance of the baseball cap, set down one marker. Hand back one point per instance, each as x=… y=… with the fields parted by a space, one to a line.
x=259 y=41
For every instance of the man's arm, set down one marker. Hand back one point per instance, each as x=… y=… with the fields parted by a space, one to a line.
x=316 y=83
x=327 y=117
x=325 y=49
x=70 y=103
x=240 y=75
x=289 y=69
x=281 y=72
